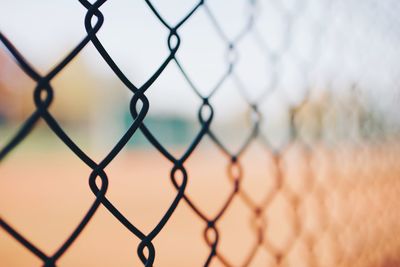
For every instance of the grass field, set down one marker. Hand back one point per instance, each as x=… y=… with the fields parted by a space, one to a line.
x=338 y=208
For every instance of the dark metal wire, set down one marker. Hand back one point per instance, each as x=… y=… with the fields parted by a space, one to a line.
x=43 y=95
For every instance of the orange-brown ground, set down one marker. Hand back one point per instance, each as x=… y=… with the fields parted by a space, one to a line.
x=347 y=207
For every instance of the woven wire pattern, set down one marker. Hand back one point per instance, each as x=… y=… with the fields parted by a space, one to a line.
x=44 y=94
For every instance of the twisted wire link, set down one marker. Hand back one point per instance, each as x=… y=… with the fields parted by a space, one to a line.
x=43 y=95
x=259 y=224
x=211 y=233
x=173 y=42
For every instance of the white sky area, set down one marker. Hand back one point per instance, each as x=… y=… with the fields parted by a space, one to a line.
x=359 y=43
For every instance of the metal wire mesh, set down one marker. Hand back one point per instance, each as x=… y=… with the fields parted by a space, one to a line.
x=311 y=191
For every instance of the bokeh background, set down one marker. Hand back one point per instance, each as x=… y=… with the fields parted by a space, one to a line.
x=325 y=75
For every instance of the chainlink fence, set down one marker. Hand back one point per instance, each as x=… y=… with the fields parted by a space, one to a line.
x=309 y=196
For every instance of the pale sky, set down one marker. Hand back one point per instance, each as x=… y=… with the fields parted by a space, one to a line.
x=359 y=44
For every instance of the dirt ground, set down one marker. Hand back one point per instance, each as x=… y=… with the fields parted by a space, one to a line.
x=335 y=207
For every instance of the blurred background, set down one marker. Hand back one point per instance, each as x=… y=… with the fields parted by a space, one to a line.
x=324 y=75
